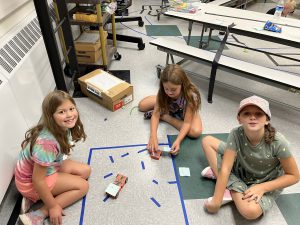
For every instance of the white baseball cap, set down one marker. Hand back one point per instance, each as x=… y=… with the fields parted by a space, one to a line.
x=257 y=101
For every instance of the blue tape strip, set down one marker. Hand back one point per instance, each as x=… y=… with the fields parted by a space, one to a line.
x=89 y=163
x=108 y=175
x=178 y=185
x=106 y=197
x=154 y=181
x=155 y=202
x=111 y=159
x=126 y=154
x=143 y=165
x=172 y=182
x=145 y=149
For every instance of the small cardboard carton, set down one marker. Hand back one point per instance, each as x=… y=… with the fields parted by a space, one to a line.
x=87 y=17
x=88 y=46
x=106 y=89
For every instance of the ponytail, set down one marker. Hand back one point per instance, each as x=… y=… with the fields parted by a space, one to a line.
x=269 y=133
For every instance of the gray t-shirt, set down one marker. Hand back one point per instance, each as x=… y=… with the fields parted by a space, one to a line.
x=260 y=163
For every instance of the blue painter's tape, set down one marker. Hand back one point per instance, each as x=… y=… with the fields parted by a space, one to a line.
x=108 y=175
x=143 y=165
x=111 y=159
x=154 y=181
x=106 y=197
x=126 y=154
x=178 y=186
x=155 y=202
x=142 y=150
x=172 y=182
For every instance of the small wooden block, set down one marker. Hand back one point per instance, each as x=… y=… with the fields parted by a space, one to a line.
x=156 y=155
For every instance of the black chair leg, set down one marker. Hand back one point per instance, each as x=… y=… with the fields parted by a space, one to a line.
x=130 y=19
x=131 y=39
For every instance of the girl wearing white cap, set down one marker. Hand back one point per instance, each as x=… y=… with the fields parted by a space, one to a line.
x=253 y=166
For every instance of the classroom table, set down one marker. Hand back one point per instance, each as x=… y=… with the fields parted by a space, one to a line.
x=246 y=23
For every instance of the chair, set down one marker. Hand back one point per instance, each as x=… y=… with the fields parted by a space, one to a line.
x=162 y=8
x=122 y=10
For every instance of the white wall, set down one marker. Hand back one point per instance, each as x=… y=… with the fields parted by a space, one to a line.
x=15 y=17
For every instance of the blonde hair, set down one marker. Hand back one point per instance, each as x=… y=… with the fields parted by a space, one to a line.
x=50 y=104
x=174 y=74
x=293 y=3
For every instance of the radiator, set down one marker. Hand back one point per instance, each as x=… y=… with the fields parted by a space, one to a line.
x=25 y=65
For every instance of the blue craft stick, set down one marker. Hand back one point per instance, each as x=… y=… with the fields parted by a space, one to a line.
x=155 y=202
x=111 y=159
x=154 y=181
x=143 y=165
x=142 y=150
x=126 y=154
x=106 y=197
x=108 y=175
x=172 y=182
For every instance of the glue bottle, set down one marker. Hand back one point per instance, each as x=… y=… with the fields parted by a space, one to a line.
x=279 y=9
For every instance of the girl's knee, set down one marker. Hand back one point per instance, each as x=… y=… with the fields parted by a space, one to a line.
x=84 y=187
x=86 y=171
x=141 y=106
x=206 y=140
x=195 y=132
x=251 y=212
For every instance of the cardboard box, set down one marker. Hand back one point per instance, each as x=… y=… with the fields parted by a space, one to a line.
x=88 y=46
x=106 y=89
x=86 y=17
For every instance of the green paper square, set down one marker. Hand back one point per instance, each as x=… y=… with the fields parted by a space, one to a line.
x=213 y=45
x=162 y=30
x=289 y=207
x=191 y=155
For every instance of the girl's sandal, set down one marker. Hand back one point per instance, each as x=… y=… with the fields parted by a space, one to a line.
x=148 y=115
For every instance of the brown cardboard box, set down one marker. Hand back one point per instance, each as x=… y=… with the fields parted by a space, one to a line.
x=87 y=17
x=106 y=89
x=88 y=46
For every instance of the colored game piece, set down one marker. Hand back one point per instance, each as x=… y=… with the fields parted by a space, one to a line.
x=114 y=188
x=155 y=154
x=166 y=149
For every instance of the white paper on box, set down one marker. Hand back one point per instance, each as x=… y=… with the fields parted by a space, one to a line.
x=104 y=82
x=88 y=38
x=93 y=90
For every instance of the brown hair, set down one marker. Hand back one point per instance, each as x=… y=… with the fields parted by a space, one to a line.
x=269 y=133
x=50 y=104
x=174 y=74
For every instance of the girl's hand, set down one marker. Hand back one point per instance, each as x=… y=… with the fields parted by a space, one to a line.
x=55 y=215
x=210 y=206
x=175 y=148
x=254 y=193
x=152 y=144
